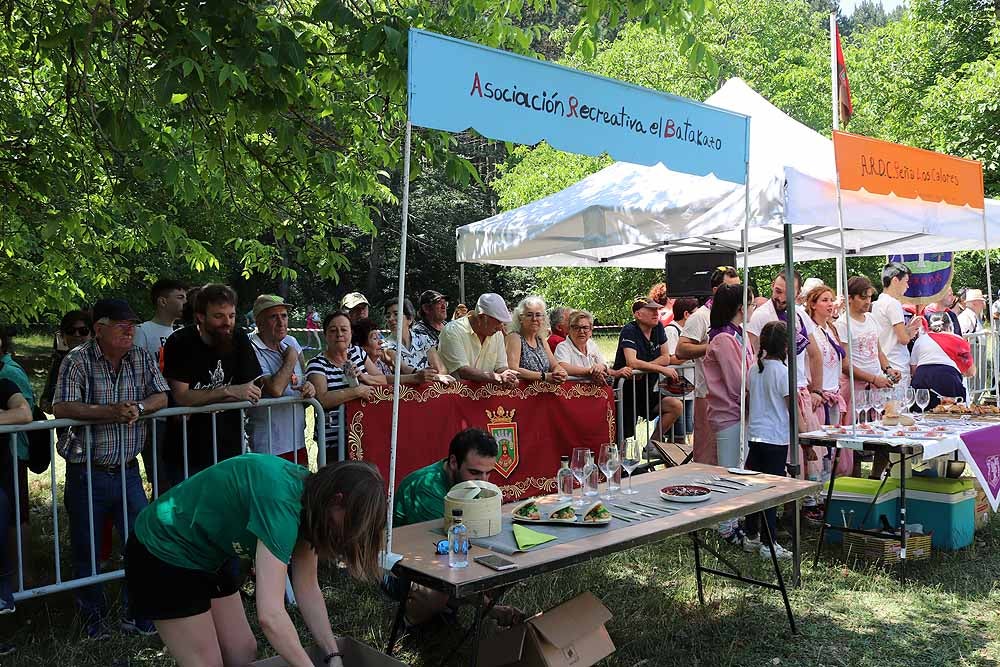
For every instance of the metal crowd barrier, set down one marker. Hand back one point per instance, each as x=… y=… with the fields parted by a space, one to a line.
x=644 y=384
x=261 y=410
x=985 y=348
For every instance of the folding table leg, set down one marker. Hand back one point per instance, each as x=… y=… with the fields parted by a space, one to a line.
x=697 y=568
x=781 y=580
x=826 y=506
x=477 y=626
x=397 y=624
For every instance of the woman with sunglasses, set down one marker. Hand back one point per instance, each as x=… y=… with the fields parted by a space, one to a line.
x=527 y=348
x=75 y=329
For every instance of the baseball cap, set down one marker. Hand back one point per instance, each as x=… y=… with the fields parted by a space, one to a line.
x=643 y=302
x=114 y=309
x=493 y=305
x=353 y=299
x=265 y=301
x=430 y=296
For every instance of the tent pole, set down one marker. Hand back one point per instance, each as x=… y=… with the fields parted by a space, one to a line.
x=793 y=392
x=835 y=110
x=989 y=308
x=461 y=282
x=746 y=317
x=401 y=294
x=847 y=299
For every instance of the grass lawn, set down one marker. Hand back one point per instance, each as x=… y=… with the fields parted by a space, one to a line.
x=848 y=613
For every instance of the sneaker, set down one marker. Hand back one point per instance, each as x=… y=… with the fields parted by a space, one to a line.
x=96 y=630
x=781 y=552
x=139 y=627
x=751 y=544
x=7 y=604
x=7 y=649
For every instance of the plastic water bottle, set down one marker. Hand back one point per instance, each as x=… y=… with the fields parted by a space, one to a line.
x=564 y=480
x=591 y=476
x=458 y=537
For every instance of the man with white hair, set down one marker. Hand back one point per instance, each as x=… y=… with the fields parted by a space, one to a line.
x=472 y=348
x=971 y=318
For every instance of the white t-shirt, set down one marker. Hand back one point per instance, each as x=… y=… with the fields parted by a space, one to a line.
x=970 y=321
x=696 y=328
x=673 y=331
x=864 y=343
x=568 y=353
x=832 y=368
x=927 y=351
x=887 y=312
x=151 y=336
x=766 y=313
x=768 y=404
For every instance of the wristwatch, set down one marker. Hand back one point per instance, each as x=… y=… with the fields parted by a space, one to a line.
x=141 y=407
x=543 y=376
x=331 y=656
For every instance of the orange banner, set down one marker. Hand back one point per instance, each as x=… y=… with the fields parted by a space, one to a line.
x=881 y=167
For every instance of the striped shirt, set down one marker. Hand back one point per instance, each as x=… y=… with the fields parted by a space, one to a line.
x=334 y=374
x=86 y=376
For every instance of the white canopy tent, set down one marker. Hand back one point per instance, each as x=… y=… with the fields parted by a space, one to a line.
x=629 y=215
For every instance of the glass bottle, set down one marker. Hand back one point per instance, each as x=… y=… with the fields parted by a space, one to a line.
x=564 y=480
x=458 y=538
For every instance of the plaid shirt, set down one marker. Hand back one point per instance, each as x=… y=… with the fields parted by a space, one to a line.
x=86 y=376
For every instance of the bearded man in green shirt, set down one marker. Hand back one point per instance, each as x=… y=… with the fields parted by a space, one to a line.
x=472 y=454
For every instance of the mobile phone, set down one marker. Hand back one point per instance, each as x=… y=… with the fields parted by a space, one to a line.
x=495 y=562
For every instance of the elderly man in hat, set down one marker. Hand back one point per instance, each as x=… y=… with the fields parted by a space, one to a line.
x=971 y=318
x=472 y=348
x=110 y=381
x=356 y=306
x=433 y=314
x=282 y=432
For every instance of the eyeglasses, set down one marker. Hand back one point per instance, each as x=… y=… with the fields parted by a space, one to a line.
x=77 y=331
x=123 y=326
x=533 y=316
x=577 y=327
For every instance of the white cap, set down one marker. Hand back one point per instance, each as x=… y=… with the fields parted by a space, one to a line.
x=493 y=305
x=810 y=284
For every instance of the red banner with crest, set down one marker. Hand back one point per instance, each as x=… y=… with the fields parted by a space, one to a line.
x=534 y=424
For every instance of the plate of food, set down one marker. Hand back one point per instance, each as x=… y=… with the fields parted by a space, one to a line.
x=531 y=511
x=685 y=493
x=597 y=515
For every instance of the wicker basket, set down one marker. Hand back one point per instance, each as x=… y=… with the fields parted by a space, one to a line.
x=886 y=549
x=481 y=514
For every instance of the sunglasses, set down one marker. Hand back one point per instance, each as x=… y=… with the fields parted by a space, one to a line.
x=77 y=331
x=725 y=268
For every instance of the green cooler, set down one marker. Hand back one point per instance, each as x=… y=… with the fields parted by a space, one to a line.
x=855 y=494
x=945 y=507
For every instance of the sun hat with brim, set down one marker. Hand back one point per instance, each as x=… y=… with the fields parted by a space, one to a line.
x=267 y=301
x=114 y=309
x=493 y=305
x=643 y=302
x=352 y=300
x=974 y=295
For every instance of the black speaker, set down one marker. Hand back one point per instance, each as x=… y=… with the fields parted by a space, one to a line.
x=690 y=273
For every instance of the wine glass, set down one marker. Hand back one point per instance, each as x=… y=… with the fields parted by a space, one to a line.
x=863 y=400
x=909 y=398
x=608 y=461
x=878 y=402
x=923 y=399
x=631 y=457
x=577 y=464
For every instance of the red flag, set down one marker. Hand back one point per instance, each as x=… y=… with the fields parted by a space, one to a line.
x=843 y=88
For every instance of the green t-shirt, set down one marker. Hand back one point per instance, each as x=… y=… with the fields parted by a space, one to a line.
x=224 y=510
x=420 y=496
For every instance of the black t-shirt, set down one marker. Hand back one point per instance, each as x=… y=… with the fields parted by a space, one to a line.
x=646 y=349
x=186 y=358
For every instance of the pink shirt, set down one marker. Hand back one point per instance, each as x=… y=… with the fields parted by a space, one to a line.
x=723 y=377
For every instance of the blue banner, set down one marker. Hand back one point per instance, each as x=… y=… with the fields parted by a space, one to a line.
x=456 y=85
x=931 y=276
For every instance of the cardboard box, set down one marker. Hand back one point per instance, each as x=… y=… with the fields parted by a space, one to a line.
x=570 y=635
x=983 y=510
x=355 y=653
